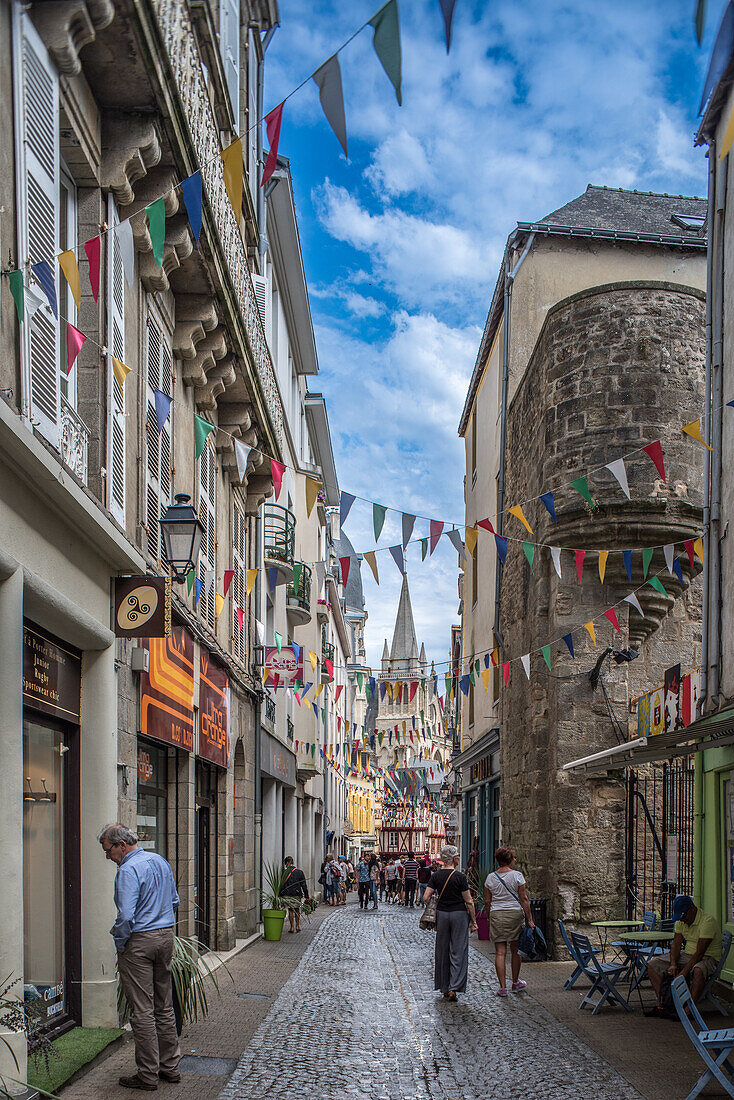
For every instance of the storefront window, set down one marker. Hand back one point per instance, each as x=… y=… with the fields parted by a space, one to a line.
x=43 y=869
x=729 y=847
x=152 y=796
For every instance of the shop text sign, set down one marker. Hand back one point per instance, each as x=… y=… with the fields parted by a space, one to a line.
x=214 y=700
x=167 y=690
x=283 y=668
x=52 y=675
x=143 y=607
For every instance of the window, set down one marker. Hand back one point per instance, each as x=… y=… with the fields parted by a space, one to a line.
x=239 y=581
x=471 y=704
x=475 y=574
x=116 y=398
x=229 y=47
x=67 y=305
x=158 y=489
x=207 y=514
x=474 y=447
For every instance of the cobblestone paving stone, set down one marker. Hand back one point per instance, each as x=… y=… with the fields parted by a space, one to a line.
x=359 y=1018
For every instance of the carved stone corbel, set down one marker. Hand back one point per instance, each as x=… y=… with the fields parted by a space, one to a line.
x=236 y=417
x=159 y=184
x=178 y=245
x=130 y=148
x=67 y=25
x=218 y=378
x=211 y=349
x=196 y=315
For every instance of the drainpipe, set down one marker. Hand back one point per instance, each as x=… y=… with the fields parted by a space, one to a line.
x=509 y=280
x=707 y=428
x=716 y=418
x=262 y=235
x=258 y=817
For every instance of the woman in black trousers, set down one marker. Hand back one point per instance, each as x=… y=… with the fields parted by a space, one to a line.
x=455 y=919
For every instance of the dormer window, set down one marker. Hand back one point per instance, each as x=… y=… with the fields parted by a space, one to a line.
x=690 y=222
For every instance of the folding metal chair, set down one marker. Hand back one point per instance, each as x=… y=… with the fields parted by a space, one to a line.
x=578 y=972
x=714 y=1047
x=602 y=975
x=707 y=995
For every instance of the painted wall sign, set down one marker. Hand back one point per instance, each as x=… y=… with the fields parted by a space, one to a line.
x=214 y=703
x=283 y=667
x=167 y=690
x=52 y=674
x=143 y=607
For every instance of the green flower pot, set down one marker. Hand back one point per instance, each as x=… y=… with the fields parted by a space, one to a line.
x=273 y=923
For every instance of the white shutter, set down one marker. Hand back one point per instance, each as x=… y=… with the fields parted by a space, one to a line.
x=260 y=285
x=252 y=120
x=37 y=166
x=239 y=581
x=116 y=347
x=207 y=513
x=229 y=48
x=158 y=444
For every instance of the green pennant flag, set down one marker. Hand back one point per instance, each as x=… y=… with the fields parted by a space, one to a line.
x=545 y=650
x=297 y=570
x=477 y=666
x=297 y=684
x=529 y=549
x=581 y=487
x=381 y=737
x=657 y=584
x=472 y=679
x=360 y=680
x=15 y=280
x=423 y=718
x=378 y=519
x=313 y=749
x=278 y=640
x=156 y=212
x=646 y=559
x=386 y=41
x=190 y=577
x=202 y=429
x=424 y=549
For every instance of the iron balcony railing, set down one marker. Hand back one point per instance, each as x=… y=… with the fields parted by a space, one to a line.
x=289 y=729
x=270 y=708
x=279 y=534
x=301 y=592
x=327 y=652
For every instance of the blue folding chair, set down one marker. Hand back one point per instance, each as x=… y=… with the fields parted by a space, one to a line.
x=713 y=1047
x=602 y=975
x=707 y=994
x=578 y=972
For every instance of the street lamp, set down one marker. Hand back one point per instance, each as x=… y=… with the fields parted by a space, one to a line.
x=181 y=531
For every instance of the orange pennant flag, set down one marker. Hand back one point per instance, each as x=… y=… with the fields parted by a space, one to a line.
x=518 y=512
x=251 y=578
x=371 y=560
x=313 y=488
x=698 y=548
x=485 y=678
x=592 y=633
x=603 y=555
x=694 y=430
x=70 y=268
x=233 y=169
x=470 y=538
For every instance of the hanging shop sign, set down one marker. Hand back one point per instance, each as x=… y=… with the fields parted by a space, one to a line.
x=650 y=713
x=671 y=706
x=143 y=607
x=283 y=667
x=167 y=690
x=671 y=688
x=481 y=770
x=214 y=705
x=52 y=675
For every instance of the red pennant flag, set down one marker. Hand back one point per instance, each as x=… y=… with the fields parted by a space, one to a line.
x=486 y=524
x=298 y=700
x=689 y=550
x=74 y=341
x=276 y=679
x=240 y=617
x=436 y=529
x=345 y=564
x=277 y=469
x=580 y=555
x=655 y=452
x=411 y=736
x=93 y=250
x=339 y=690
x=339 y=722
x=228 y=575
x=506 y=672
x=329 y=668
x=612 y=616
x=272 y=125
x=413 y=689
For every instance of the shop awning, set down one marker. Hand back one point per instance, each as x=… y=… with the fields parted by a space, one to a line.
x=706 y=733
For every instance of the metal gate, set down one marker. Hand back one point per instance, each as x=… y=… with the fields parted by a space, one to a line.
x=659 y=836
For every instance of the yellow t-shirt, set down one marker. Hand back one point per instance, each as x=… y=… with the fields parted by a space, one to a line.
x=704 y=927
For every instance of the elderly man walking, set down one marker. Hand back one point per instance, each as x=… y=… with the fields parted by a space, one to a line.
x=146 y=900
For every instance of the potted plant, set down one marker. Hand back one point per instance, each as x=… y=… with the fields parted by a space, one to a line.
x=477 y=879
x=22 y=1017
x=189 y=971
x=273 y=901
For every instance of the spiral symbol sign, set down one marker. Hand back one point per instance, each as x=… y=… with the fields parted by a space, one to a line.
x=137 y=607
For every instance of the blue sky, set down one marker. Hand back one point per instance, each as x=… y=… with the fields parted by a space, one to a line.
x=402 y=242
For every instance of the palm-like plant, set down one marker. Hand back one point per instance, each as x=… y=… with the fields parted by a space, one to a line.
x=189 y=974
x=477 y=878
x=275 y=877
x=22 y=1018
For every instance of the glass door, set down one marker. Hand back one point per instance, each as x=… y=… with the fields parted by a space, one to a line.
x=44 y=915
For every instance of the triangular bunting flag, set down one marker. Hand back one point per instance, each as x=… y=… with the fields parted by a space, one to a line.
x=485 y=678
x=70 y=268
x=378 y=519
x=328 y=80
x=371 y=560
x=251 y=578
x=424 y=548
x=126 y=244
x=15 y=281
x=694 y=430
x=45 y=278
x=408 y=522
x=454 y=538
x=345 y=563
x=156 y=212
x=657 y=584
x=74 y=341
x=233 y=176
x=550 y=506
x=198 y=585
x=612 y=616
x=617 y=468
x=603 y=555
x=278 y=640
x=698 y=549
x=627 y=559
x=240 y=617
x=647 y=554
x=525 y=660
x=506 y=672
x=272 y=578
x=162 y=408
x=346 y=500
x=93 y=250
x=313 y=488
x=397 y=553
x=436 y=531
x=242 y=454
x=632 y=599
x=228 y=577
x=592 y=633
x=568 y=639
x=386 y=41
x=678 y=571
x=190 y=581
x=447 y=10
x=529 y=549
x=272 y=125
x=219 y=601
x=202 y=430
x=313 y=659
x=582 y=489
x=517 y=511
x=191 y=192
x=277 y=469
x=689 y=550
x=556 y=557
x=579 y=555
x=546 y=651
x=654 y=451
x=120 y=371
x=668 y=551
x=470 y=538
x=502 y=545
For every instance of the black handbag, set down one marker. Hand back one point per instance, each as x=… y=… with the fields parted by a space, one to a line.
x=429 y=916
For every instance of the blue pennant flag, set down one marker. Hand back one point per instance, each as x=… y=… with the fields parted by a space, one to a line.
x=373 y=685
x=383 y=689
x=464 y=683
x=198 y=585
x=501 y=543
x=627 y=559
x=296 y=651
x=486 y=660
x=677 y=570
x=346 y=500
x=547 y=499
x=45 y=277
x=162 y=408
x=272 y=578
x=306 y=690
x=730 y=404
x=568 y=639
x=191 y=189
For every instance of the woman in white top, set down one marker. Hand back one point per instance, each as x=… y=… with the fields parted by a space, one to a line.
x=506 y=902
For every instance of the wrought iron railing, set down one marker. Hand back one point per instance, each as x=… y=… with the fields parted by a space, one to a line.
x=74 y=440
x=270 y=708
x=279 y=534
x=301 y=592
x=289 y=729
x=327 y=651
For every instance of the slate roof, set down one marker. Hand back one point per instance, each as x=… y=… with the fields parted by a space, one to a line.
x=353 y=591
x=628 y=211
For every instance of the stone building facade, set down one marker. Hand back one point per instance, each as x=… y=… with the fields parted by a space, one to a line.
x=614 y=368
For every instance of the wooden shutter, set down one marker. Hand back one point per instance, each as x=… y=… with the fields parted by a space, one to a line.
x=239 y=581
x=116 y=347
x=207 y=513
x=260 y=285
x=252 y=120
x=229 y=48
x=158 y=444
x=37 y=167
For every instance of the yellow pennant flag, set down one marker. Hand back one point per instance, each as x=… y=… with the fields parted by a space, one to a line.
x=403 y=728
x=251 y=578
x=266 y=673
x=70 y=268
x=592 y=634
x=313 y=488
x=517 y=511
x=698 y=548
x=232 y=160
x=313 y=659
x=470 y=538
x=728 y=137
x=121 y=371
x=694 y=430
x=389 y=689
x=603 y=555
x=317 y=692
x=371 y=560
x=219 y=604
x=485 y=678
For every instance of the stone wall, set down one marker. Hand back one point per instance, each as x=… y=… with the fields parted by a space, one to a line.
x=614 y=368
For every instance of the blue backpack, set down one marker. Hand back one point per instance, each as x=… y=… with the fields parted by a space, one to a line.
x=532 y=943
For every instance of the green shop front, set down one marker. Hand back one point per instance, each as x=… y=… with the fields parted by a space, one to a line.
x=480 y=798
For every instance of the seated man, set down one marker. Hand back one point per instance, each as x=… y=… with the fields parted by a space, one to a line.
x=701 y=936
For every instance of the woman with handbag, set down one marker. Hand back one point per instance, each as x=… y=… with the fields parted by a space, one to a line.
x=506 y=902
x=454 y=920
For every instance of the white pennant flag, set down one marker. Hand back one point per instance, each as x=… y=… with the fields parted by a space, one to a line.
x=408 y=522
x=33 y=302
x=455 y=538
x=208 y=580
x=618 y=469
x=668 y=551
x=320 y=569
x=260 y=630
x=526 y=664
x=125 y=243
x=556 y=555
x=632 y=598
x=242 y=453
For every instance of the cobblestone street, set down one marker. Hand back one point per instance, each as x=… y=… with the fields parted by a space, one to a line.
x=359 y=1017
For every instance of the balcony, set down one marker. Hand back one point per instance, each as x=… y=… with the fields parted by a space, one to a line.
x=74 y=440
x=327 y=654
x=298 y=598
x=268 y=712
x=289 y=729
x=322 y=611
x=279 y=533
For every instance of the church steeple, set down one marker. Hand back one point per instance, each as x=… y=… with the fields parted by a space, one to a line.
x=385 y=658
x=404 y=651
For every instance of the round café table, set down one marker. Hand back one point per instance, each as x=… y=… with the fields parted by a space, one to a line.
x=637 y=942
x=608 y=925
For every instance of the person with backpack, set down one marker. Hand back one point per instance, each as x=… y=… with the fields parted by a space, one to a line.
x=295 y=887
x=374 y=876
x=391 y=877
x=424 y=877
x=455 y=919
x=410 y=880
x=363 y=881
x=507 y=904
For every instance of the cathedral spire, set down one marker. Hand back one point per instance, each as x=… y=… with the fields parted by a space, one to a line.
x=404 y=651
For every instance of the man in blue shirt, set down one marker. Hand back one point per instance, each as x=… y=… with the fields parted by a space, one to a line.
x=363 y=881
x=147 y=901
